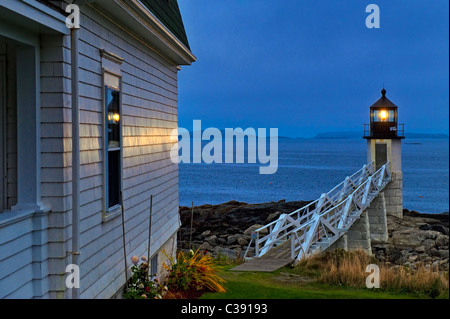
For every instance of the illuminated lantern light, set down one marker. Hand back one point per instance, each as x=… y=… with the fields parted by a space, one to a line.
x=113 y=117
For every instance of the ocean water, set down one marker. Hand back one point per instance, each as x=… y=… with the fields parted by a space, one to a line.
x=309 y=167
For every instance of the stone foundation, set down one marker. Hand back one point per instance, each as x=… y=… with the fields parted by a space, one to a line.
x=170 y=248
x=358 y=236
x=378 y=220
x=393 y=194
x=341 y=243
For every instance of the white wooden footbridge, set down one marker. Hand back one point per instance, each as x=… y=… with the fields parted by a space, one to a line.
x=317 y=226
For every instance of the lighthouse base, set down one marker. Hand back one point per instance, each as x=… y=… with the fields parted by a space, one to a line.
x=393 y=194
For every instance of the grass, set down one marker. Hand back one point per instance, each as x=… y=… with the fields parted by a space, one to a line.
x=330 y=277
x=249 y=285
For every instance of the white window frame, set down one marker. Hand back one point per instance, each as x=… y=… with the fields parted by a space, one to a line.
x=111 y=212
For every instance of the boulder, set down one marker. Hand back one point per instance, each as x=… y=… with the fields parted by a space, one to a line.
x=206 y=233
x=212 y=240
x=206 y=246
x=407 y=238
x=442 y=240
x=273 y=217
x=221 y=241
x=434 y=227
x=251 y=229
x=232 y=240
x=434 y=252
x=227 y=252
x=443 y=254
x=428 y=244
x=242 y=241
x=420 y=249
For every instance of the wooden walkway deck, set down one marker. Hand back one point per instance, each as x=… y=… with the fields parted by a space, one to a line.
x=278 y=257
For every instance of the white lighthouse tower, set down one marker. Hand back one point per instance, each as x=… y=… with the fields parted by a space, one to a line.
x=384 y=141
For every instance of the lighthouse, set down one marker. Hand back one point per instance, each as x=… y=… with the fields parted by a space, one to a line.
x=384 y=141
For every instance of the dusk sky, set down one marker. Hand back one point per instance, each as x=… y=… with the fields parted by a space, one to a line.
x=307 y=67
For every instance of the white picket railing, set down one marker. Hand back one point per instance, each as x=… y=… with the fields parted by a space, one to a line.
x=320 y=223
x=327 y=227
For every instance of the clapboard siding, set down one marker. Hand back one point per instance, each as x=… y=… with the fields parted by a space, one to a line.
x=56 y=130
x=132 y=219
x=20 y=246
x=132 y=50
x=33 y=252
x=14 y=246
x=128 y=49
x=149 y=115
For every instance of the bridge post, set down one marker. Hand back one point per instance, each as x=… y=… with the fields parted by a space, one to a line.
x=378 y=220
x=358 y=236
x=341 y=243
x=394 y=195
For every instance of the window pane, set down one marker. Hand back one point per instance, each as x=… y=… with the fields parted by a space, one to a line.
x=383 y=116
x=376 y=116
x=391 y=116
x=112 y=99
x=114 y=178
x=154 y=265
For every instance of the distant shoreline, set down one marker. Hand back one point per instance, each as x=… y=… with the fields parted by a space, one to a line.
x=339 y=135
x=349 y=135
x=412 y=213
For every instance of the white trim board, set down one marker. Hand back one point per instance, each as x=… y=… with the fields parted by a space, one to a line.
x=39 y=13
x=2 y=132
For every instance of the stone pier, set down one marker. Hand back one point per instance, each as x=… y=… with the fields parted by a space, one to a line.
x=393 y=194
x=371 y=227
x=377 y=214
x=358 y=236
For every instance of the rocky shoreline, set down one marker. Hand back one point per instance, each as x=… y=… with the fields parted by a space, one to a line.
x=416 y=239
x=226 y=228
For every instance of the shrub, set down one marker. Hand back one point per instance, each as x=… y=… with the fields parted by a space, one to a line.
x=344 y=268
x=193 y=271
x=141 y=285
x=420 y=280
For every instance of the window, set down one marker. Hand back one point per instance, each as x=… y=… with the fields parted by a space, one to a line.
x=113 y=141
x=154 y=265
x=384 y=116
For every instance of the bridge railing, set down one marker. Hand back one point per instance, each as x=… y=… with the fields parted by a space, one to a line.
x=267 y=236
x=325 y=228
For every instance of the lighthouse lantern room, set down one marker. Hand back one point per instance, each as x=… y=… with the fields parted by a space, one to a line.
x=384 y=134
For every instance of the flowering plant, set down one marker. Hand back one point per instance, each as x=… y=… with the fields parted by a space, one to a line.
x=141 y=285
x=193 y=271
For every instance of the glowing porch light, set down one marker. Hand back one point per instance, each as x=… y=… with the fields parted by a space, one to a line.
x=114 y=117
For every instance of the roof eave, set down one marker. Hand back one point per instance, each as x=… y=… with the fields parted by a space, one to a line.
x=384 y=103
x=149 y=28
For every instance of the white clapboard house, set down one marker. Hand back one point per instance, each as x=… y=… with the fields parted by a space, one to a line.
x=121 y=65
